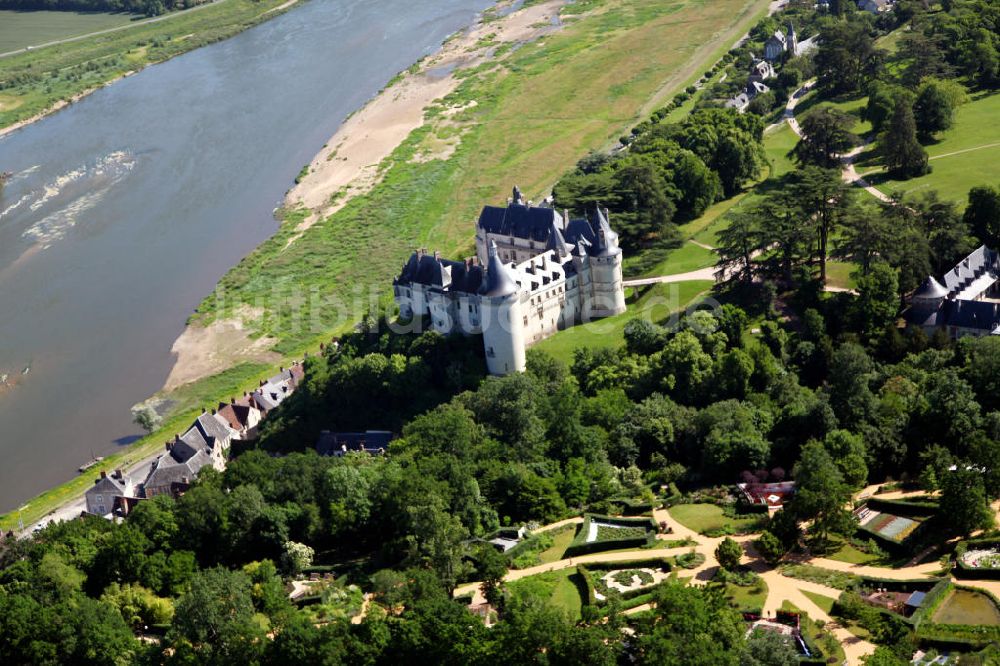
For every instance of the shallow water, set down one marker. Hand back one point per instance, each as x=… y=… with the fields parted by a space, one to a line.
x=127 y=207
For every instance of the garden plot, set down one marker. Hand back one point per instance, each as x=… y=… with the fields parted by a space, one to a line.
x=599 y=531
x=982 y=559
x=628 y=580
x=894 y=528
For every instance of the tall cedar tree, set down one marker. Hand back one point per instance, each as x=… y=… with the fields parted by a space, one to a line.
x=904 y=156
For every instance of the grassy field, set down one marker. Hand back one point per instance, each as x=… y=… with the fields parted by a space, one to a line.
x=561 y=539
x=560 y=588
x=750 y=597
x=704 y=518
x=34 y=81
x=21 y=29
x=967 y=155
x=657 y=303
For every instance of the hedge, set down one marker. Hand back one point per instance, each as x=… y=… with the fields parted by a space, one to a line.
x=964 y=571
x=905 y=508
x=932 y=600
x=580 y=546
x=584 y=570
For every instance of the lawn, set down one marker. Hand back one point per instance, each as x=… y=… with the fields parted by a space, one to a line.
x=657 y=304
x=748 y=597
x=561 y=539
x=21 y=29
x=688 y=257
x=778 y=143
x=824 y=602
x=838 y=580
x=704 y=518
x=561 y=588
x=838 y=274
x=850 y=554
x=967 y=155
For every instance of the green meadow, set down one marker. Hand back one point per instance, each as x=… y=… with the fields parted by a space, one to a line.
x=36 y=80
x=966 y=155
x=21 y=29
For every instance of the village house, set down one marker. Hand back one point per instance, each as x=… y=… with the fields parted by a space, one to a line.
x=273 y=390
x=536 y=272
x=108 y=494
x=760 y=71
x=242 y=417
x=968 y=303
x=203 y=444
x=375 y=442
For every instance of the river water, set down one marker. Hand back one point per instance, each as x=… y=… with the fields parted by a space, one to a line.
x=127 y=207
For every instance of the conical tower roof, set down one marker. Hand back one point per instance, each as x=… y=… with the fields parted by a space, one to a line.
x=557 y=242
x=499 y=281
x=606 y=240
x=930 y=288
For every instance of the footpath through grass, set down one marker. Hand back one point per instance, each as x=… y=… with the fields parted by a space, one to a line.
x=21 y=29
x=34 y=81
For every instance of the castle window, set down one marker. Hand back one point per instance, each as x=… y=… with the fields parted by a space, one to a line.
x=525 y=320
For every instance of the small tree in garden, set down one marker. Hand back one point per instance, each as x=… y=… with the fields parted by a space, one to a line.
x=769 y=547
x=297 y=556
x=728 y=553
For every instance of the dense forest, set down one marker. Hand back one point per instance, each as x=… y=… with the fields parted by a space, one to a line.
x=146 y=7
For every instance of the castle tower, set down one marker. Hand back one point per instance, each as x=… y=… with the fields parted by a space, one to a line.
x=605 y=260
x=502 y=319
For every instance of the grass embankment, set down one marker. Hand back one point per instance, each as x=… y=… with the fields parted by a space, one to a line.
x=539 y=109
x=22 y=29
x=656 y=303
x=561 y=588
x=35 y=81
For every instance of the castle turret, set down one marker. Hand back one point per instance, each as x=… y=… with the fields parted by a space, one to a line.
x=503 y=330
x=607 y=295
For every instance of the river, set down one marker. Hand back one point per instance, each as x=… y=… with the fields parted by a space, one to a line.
x=126 y=208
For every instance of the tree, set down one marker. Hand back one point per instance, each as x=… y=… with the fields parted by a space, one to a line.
x=847 y=57
x=215 y=618
x=728 y=553
x=492 y=567
x=826 y=134
x=934 y=108
x=297 y=556
x=883 y=656
x=878 y=299
x=821 y=494
x=770 y=547
x=144 y=416
x=848 y=451
x=737 y=244
x=768 y=648
x=983 y=214
x=826 y=200
x=904 y=156
x=693 y=627
x=963 y=501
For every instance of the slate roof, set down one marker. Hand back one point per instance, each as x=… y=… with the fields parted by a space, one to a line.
x=108 y=485
x=169 y=471
x=188 y=445
x=981 y=315
x=499 y=281
x=212 y=429
x=333 y=443
x=518 y=220
x=930 y=288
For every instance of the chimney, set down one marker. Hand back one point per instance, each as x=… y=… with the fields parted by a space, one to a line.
x=118 y=474
x=168 y=445
x=232 y=401
x=437 y=255
x=475 y=261
x=104 y=474
x=565 y=218
x=213 y=412
x=203 y=410
x=184 y=480
x=281 y=368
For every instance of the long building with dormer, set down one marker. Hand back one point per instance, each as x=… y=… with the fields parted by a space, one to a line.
x=535 y=272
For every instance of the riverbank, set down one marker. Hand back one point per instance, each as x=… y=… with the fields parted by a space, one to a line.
x=523 y=114
x=38 y=82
